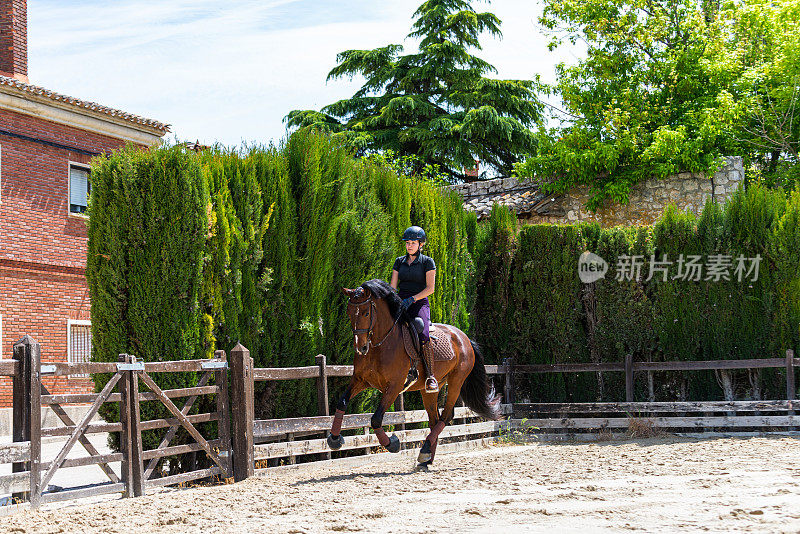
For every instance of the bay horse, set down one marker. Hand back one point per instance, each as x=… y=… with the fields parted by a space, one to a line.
x=377 y=319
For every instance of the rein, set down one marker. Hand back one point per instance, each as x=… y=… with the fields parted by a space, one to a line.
x=368 y=330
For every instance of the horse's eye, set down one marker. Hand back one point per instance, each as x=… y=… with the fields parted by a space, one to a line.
x=367 y=313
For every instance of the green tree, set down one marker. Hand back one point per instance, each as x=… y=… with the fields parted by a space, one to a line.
x=764 y=50
x=434 y=104
x=649 y=99
x=189 y=253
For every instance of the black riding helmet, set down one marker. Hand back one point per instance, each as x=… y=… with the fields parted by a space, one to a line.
x=414 y=233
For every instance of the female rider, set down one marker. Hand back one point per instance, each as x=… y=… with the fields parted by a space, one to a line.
x=414 y=276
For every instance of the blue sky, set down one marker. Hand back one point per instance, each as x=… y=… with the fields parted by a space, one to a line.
x=230 y=71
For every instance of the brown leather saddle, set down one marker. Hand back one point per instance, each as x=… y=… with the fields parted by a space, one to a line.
x=440 y=344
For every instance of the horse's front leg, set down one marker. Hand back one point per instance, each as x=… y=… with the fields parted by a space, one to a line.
x=430 y=401
x=335 y=439
x=390 y=394
x=428 y=450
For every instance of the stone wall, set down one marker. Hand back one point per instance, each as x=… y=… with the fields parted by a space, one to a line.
x=647 y=199
x=484 y=187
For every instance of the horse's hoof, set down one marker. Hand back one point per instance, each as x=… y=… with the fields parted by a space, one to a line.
x=394 y=444
x=425 y=455
x=335 y=443
x=423 y=467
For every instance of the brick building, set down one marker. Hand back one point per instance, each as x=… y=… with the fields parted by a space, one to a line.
x=46 y=143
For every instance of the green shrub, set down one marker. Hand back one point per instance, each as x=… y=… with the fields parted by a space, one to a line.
x=147 y=232
x=189 y=253
x=257 y=245
x=538 y=311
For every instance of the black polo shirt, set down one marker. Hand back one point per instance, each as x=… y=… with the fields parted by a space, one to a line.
x=411 y=278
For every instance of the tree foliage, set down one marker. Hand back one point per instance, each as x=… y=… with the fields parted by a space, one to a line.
x=147 y=234
x=668 y=86
x=764 y=51
x=435 y=104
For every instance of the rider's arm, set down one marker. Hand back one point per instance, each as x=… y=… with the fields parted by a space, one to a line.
x=430 y=284
x=395 y=276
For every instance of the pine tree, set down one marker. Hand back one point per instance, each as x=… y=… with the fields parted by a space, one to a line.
x=436 y=104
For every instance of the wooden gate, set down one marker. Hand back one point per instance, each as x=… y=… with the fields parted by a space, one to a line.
x=31 y=395
x=217 y=450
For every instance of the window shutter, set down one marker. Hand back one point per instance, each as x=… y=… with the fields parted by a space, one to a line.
x=78 y=186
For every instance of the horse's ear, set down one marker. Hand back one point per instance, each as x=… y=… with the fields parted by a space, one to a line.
x=347 y=292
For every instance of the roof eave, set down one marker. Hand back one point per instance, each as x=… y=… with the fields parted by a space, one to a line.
x=62 y=112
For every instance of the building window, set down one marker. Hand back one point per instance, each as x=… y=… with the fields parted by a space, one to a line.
x=79 y=189
x=79 y=342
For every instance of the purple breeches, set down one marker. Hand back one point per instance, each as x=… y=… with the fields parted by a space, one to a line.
x=421 y=309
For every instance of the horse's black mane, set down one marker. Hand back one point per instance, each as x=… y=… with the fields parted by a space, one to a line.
x=383 y=290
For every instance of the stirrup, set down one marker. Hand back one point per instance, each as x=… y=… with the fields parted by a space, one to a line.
x=431 y=385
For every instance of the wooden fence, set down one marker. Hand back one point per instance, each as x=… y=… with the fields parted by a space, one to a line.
x=31 y=473
x=629 y=367
x=232 y=452
x=287 y=439
x=707 y=418
x=240 y=440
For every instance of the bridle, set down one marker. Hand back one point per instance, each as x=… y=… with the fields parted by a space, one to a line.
x=372 y=311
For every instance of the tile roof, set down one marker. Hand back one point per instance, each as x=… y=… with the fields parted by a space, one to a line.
x=91 y=106
x=521 y=197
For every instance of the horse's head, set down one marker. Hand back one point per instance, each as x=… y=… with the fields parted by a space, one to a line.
x=361 y=311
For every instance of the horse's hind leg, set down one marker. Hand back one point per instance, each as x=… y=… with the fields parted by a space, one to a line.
x=335 y=440
x=389 y=396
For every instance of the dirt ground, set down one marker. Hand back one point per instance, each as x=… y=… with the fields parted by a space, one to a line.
x=655 y=485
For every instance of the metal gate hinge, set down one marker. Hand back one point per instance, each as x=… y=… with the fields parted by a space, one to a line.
x=48 y=369
x=138 y=366
x=214 y=365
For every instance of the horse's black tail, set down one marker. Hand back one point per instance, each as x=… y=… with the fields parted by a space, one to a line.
x=477 y=393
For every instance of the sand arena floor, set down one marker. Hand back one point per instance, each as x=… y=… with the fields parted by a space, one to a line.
x=653 y=485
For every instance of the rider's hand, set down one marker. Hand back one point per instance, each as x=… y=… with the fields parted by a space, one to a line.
x=407 y=302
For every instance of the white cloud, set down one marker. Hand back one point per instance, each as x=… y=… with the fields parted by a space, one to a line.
x=230 y=71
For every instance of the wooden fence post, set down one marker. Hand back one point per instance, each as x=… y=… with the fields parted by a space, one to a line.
x=292 y=457
x=27 y=413
x=21 y=430
x=322 y=386
x=130 y=439
x=629 y=378
x=790 y=387
x=401 y=406
x=242 y=412
x=223 y=404
x=137 y=465
x=323 y=403
x=508 y=387
x=125 y=433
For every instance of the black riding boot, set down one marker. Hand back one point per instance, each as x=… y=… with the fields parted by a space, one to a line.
x=431 y=385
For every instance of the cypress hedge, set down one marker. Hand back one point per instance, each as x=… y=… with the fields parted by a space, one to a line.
x=538 y=311
x=147 y=235
x=189 y=253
